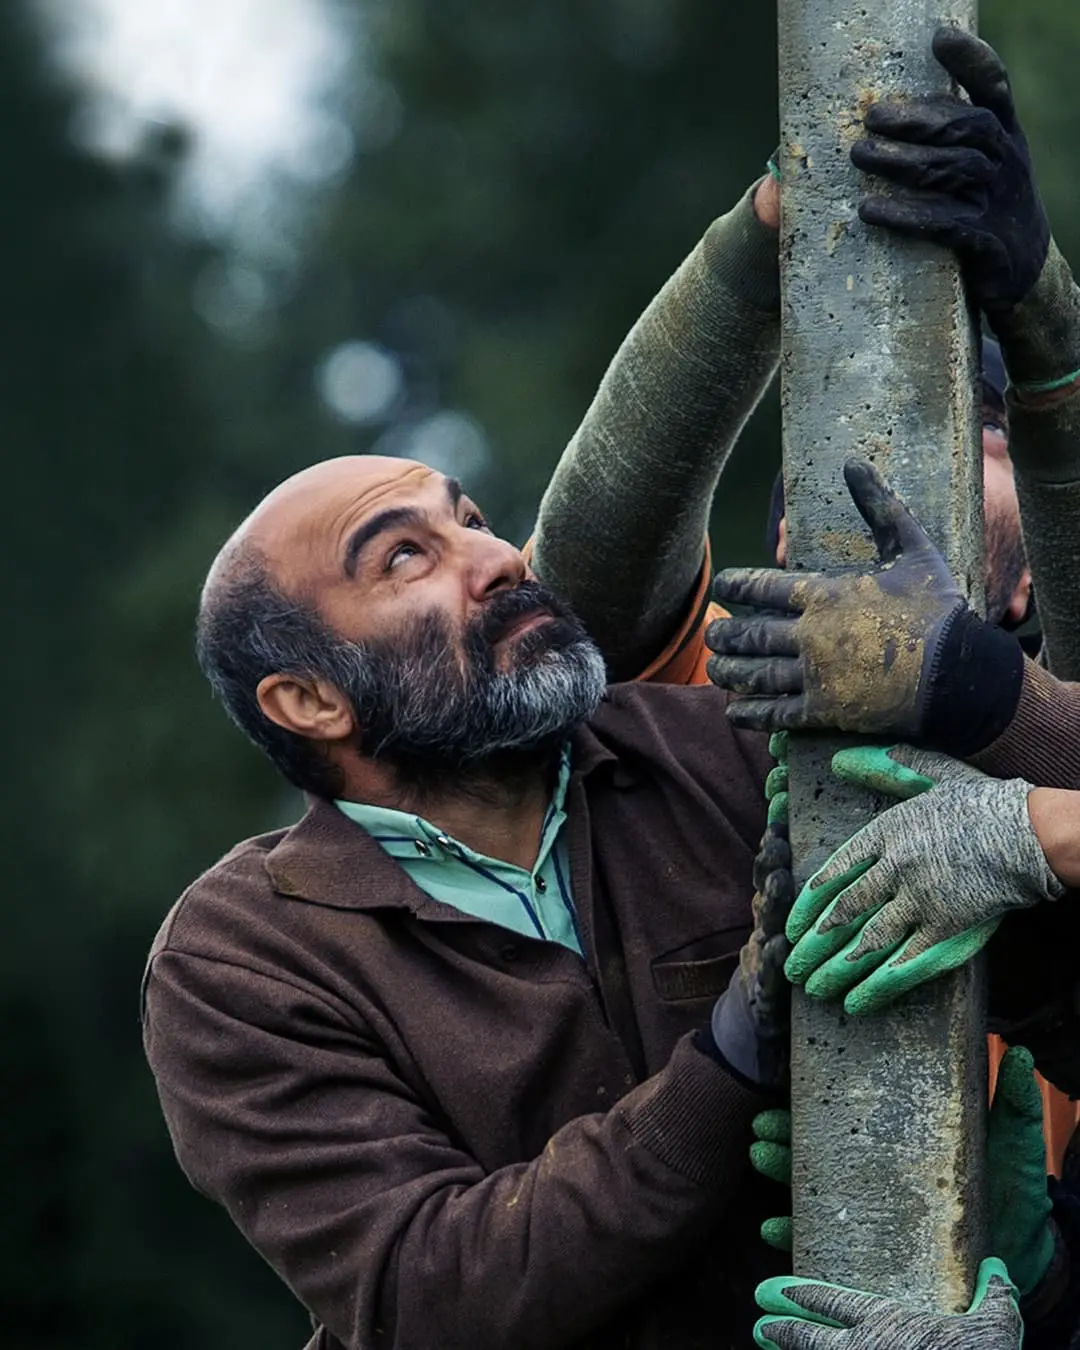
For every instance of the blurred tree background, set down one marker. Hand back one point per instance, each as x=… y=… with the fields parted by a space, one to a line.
x=517 y=182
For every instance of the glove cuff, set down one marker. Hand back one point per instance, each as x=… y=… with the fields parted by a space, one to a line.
x=1040 y=337
x=973 y=687
x=742 y=257
x=705 y=1041
x=753 y=1055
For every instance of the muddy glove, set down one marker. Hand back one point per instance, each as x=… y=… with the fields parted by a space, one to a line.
x=809 y=1315
x=963 y=178
x=919 y=890
x=894 y=651
x=963 y=175
x=750 y=1029
x=1022 y=1232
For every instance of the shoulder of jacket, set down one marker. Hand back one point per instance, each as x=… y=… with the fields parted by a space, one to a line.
x=238 y=876
x=644 y=711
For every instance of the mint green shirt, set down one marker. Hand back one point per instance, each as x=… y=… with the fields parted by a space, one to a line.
x=538 y=904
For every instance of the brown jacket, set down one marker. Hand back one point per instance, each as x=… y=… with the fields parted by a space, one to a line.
x=443 y=1134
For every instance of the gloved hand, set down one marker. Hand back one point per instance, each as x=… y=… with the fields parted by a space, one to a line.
x=893 y=651
x=770 y=1154
x=810 y=1315
x=750 y=1029
x=1020 y=1223
x=963 y=174
x=919 y=890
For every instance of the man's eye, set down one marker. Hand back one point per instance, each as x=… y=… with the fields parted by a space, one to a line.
x=475 y=521
x=402 y=553
x=994 y=426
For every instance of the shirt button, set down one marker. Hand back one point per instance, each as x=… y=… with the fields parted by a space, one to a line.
x=422 y=848
x=444 y=841
x=541 y=884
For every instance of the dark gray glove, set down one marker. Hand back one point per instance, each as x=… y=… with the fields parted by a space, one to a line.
x=750 y=1029
x=963 y=174
x=892 y=651
x=810 y=1315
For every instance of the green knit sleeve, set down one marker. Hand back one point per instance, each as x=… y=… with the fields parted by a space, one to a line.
x=622 y=524
x=1040 y=341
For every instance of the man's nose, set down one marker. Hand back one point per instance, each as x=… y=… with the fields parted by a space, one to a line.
x=494 y=565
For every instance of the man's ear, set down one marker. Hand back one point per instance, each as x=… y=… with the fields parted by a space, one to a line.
x=314 y=709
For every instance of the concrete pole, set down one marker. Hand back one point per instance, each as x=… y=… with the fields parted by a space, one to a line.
x=879 y=360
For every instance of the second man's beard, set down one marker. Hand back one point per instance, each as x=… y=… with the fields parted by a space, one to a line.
x=1006 y=563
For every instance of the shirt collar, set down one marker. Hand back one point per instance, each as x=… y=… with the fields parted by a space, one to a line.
x=407 y=836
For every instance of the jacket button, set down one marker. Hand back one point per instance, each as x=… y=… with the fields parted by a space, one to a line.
x=510 y=952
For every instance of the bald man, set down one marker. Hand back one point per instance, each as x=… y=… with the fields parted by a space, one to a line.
x=468 y=1054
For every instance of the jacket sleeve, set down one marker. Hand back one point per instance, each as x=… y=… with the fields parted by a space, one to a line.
x=286 y=1110
x=623 y=520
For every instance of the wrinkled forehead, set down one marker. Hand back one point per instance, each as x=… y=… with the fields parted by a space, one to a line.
x=304 y=525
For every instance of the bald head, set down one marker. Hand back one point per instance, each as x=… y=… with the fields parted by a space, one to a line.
x=364 y=611
x=259 y=609
x=348 y=553
x=301 y=529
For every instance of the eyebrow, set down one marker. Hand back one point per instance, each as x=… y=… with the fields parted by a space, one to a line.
x=390 y=520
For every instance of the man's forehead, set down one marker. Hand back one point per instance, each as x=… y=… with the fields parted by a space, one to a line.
x=306 y=521
x=324 y=496
x=350 y=478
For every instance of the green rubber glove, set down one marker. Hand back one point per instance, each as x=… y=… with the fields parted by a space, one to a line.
x=1019 y=1201
x=770 y=1154
x=776 y=784
x=919 y=890
x=1021 y=1230
x=810 y=1315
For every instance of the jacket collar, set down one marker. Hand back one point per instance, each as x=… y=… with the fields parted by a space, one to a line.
x=327 y=859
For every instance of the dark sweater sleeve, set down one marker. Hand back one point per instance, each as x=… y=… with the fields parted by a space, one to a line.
x=1034 y=981
x=1042 y=742
x=387 y=1231
x=621 y=526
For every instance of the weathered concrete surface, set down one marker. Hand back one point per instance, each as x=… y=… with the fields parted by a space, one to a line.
x=879 y=360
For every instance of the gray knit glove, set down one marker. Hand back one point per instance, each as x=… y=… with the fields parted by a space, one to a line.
x=919 y=890
x=813 y=1316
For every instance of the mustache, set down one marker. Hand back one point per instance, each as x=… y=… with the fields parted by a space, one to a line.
x=507 y=607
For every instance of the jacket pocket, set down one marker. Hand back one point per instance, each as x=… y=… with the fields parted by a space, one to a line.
x=699 y=969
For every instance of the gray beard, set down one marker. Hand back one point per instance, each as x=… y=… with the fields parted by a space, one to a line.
x=432 y=706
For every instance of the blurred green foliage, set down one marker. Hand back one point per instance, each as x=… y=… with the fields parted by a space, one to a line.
x=553 y=164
